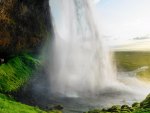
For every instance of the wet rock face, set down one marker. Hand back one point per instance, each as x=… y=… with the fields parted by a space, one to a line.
x=24 y=25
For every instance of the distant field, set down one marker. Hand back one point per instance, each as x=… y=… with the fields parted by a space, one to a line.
x=130 y=61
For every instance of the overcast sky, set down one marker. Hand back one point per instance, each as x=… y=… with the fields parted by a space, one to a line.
x=122 y=20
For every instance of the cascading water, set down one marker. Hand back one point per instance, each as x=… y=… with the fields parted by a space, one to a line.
x=80 y=61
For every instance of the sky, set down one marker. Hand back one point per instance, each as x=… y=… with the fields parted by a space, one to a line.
x=124 y=20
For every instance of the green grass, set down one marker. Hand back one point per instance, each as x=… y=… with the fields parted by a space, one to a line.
x=16 y=72
x=130 y=61
x=8 y=105
x=142 y=111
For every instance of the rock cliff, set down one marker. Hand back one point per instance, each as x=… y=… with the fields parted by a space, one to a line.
x=24 y=25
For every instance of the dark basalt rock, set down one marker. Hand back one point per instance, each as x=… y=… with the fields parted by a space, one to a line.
x=24 y=25
x=58 y=107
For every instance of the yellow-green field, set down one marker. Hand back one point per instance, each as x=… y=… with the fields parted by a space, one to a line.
x=132 y=60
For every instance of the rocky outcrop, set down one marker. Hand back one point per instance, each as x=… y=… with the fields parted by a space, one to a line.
x=24 y=25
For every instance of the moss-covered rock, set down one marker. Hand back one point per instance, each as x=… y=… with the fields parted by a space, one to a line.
x=126 y=108
x=143 y=107
x=136 y=105
x=115 y=109
x=95 y=111
x=146 y=102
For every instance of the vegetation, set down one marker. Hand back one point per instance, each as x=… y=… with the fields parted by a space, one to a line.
x=131 y=61
x=13 y=74
x=21 y=30
x=136 y=111
x=143 y=107
x=8 y=105
x=16 y=72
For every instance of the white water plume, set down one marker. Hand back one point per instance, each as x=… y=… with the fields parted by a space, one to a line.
x=80 y=62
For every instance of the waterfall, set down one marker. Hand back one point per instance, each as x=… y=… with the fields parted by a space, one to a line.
x=80 y=62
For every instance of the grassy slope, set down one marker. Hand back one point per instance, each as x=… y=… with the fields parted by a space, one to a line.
x=13 y=75
x=8 y=105
x=16 y=72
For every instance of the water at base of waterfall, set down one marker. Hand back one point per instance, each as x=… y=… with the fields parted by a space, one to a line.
x=104 y=99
